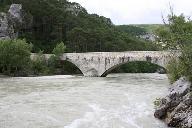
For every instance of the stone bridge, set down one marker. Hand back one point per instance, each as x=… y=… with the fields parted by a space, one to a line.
x=99 y=64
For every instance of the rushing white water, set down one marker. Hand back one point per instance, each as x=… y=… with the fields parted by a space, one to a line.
x=117 y=101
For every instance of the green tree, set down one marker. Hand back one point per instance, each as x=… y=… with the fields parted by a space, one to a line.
x=177 y=35
x=59 y=49
x=54 y=62
x=132 y=30
x=14 y=55
x=47 y=22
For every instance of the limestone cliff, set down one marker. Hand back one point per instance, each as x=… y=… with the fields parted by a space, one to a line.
x=10 y=22
x=176 y=108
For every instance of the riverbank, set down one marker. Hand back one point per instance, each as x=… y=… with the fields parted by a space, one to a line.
x=176 y=108
x=32 y=75
x=2 y=76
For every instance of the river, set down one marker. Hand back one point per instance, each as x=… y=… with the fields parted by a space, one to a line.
x=117 y=101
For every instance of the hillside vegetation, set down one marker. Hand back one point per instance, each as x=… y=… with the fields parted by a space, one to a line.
x=132 y=30
x=177 y=35
x=150 y=28
x=48 y=22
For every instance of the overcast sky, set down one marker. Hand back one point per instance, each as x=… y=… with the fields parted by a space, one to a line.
x=136 y=11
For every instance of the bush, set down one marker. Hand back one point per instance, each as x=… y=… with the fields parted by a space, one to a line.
x=53 y=64
x=39 y=65
x=174 y=70
x=14 y=56
x=186 y=62
x=176 y=35
x=59 y=49
x=181 y=66
x=54 y=61
x=157 y=102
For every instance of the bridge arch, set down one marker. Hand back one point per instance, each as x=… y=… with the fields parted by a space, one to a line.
x=84 y=67
x=75 y=64
x=108 y=71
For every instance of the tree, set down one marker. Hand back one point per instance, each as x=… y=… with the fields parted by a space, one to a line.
x=59 y=49
x=14 y=55
x=177 y=35
x=47 y=22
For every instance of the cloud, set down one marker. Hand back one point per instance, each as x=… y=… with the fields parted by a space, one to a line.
x=135 y=11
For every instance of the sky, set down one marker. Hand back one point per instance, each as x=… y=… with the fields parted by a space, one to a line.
x=136 y=11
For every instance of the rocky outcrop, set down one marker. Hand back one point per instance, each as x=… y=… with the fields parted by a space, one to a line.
x=15 y=13
x=10 y=22
x=176 y=108
x=75 y=8
x=4 y=34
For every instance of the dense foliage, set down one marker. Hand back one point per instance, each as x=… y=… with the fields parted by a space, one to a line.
x=14 y=56
x=59 y=49
x=15 y=59
x=47 y=22
x=132 y=30
x=149 y=28
x=177 y=35
x=39 y=65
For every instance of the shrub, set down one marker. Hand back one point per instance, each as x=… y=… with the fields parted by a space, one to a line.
x=157 y=102
x=186 y=62
x=176 y=35
x=181 y=66
x=59 y=49
x=54 y=61
x=39 y=65
x=53 y=64
x=174 y=70
x=14 y=56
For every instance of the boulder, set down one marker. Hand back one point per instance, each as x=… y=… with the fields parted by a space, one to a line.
x=176 y=108
x=179 y=88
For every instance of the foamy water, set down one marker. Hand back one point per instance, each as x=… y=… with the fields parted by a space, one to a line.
x=118 y=101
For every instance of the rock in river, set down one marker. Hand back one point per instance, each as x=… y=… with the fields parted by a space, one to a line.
x=176 y=108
